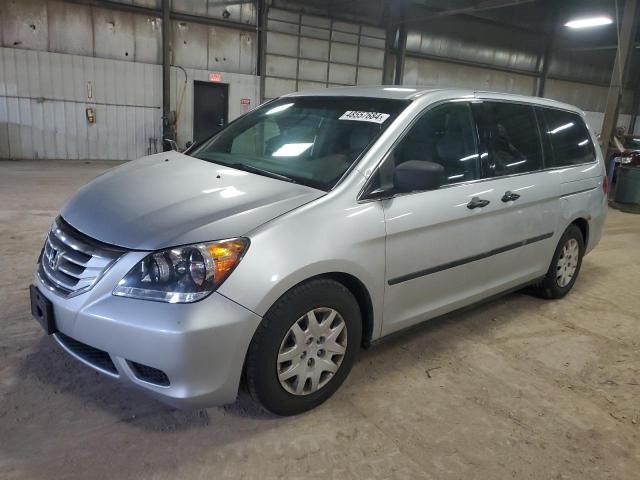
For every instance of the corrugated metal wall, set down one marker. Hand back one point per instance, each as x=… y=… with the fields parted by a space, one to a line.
x=306 y=52
x=43 y=97
x=54 y=50
x=505 y=59
x=420 y=71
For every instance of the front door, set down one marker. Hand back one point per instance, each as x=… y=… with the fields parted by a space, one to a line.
x=440 y=243
x=210 y=109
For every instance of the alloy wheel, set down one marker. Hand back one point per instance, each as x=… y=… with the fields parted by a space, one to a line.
x=567 y=262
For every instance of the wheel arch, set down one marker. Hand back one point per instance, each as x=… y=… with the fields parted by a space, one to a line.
x=583 y=225
x=356 y=287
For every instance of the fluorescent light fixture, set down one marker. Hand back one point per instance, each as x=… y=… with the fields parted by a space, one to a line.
x=588 y=22
x=399 y=89
x=469 y=157
x=515 y=163
x=583 y=142
x=291 y=149
x=560 y=128
x=279 y=108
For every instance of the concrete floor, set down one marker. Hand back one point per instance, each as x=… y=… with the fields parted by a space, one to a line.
x=518 y=388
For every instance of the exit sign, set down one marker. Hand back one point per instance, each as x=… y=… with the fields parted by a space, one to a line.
x=215 y=77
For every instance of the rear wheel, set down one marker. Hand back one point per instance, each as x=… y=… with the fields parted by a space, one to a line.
x=565 y=265
x=304 y=347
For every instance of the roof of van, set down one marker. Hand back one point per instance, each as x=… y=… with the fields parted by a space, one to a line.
x=406 y=92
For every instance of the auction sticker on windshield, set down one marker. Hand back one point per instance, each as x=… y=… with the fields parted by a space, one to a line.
x=374 y=117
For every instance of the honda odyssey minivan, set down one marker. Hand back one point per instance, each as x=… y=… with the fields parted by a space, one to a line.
x=311 y=227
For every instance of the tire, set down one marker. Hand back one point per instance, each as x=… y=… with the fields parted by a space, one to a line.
x=552 y=286
x=278 y=341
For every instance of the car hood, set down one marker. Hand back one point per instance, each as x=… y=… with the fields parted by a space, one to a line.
x=171 y=199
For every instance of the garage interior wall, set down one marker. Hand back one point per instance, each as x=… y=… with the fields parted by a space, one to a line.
x=307 y=51
x=59 y=58
x=469 y=53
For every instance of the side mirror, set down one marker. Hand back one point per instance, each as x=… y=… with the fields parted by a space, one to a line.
x=418 y=175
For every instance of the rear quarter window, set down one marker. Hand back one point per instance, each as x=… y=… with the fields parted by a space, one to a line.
x=568 y=138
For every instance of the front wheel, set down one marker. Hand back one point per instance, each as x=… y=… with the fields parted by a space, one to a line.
x=304 y=347
x=565 y=265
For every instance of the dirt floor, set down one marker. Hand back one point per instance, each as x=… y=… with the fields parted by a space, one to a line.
x=517 y=388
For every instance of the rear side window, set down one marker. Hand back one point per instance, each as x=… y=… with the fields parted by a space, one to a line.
x=510 y=138
x=569 y=138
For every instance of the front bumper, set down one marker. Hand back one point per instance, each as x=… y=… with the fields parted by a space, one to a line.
x=200 y=346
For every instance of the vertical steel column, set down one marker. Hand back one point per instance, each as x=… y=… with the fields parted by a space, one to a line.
x=389 y=44
x=166 y=72
x=634 y=108
x=544 y=61
x=401 y=51
x=261 y=68
x=620 y=72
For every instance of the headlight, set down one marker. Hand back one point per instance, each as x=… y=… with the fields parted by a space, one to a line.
x=182 y=274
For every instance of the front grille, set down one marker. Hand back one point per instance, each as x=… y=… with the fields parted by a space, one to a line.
x=70 y=262
x=93 y=356
x=149 y=374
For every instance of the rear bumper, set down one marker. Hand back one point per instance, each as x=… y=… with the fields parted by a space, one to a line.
x=199 y=347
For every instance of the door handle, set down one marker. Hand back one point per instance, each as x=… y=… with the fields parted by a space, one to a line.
x=477 y=202
x=509 y=196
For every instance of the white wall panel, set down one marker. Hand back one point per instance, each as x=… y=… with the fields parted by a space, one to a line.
x=312 y=70
x=317 y=52
x=369 y=76
x=43 y=101
x=278 y=66
x=314 y=49
x=342 y=74
x=231 y=50
x=274 y=87
x=419 y=71
x=587 y=97
x=240 y=87
x=70 y=28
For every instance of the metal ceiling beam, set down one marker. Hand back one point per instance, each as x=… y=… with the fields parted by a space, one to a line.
x=620 y=71
x=158 y=13
x=497 y=68
x=480 y=6
x=593 y=48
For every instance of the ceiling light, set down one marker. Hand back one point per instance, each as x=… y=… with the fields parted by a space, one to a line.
x=291 y=149
x=589 y=22
x=399 y=89
x=279 y=108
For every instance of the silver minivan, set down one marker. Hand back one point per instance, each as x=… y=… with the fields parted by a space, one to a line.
x=311 y=227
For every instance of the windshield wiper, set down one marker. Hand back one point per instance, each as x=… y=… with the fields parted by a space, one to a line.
x=260 y=171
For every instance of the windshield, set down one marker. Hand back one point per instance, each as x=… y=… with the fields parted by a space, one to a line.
x=308 y=140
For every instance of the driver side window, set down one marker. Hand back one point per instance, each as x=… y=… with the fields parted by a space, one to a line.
x=444 y=135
